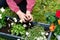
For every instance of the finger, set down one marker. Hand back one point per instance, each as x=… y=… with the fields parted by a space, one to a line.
x=27 y=19
x=31 y=19
x=27 y=16
x=23 y=20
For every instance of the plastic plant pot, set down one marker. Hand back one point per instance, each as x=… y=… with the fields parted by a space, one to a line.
x=58 y=37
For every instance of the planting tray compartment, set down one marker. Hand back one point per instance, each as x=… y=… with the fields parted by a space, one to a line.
x=4 y=30
x=5 y=34
x=9 y=36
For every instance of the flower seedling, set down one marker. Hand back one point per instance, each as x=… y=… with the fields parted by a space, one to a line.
x=18 y=29
x=21 y=21
x=15 y=20
x=27 y=33
x=29 y=24
x=46 y=34
x=24 y=25
x=2 y=10
x=59 y=21
x=52 y=27
x=12 y=23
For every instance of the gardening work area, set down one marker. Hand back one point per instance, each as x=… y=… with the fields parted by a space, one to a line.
x=45 y=26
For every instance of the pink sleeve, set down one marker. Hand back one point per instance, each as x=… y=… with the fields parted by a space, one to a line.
x=30 y=4
x=12 y=5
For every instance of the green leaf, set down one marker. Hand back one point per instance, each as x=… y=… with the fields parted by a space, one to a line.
x=0 y=25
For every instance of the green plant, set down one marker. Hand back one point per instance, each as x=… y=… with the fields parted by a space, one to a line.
x=50 y=17
x=3 y=13
x=18 y=29
x=54 y=21
x=36 y=33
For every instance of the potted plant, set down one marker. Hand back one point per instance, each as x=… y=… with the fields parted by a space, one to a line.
x=54 y=20
x=57 y=30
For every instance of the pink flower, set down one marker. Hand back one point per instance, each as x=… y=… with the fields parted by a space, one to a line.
x=58 y=13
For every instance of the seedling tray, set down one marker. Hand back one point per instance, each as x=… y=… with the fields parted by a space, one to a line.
x=9 y=36
x=4 y=31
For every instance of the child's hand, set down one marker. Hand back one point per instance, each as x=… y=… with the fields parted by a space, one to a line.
x=22 y=16
x=29 y=16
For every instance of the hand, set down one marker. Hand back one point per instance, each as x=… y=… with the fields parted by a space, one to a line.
x=29 y=16
x=22 y=16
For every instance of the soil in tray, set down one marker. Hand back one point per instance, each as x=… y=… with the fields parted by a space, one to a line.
x=5 y=29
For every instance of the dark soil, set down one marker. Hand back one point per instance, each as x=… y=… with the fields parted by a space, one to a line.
x=5 y=29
